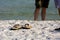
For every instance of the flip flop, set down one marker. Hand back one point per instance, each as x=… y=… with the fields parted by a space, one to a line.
x=27 y=26
x=16 y=27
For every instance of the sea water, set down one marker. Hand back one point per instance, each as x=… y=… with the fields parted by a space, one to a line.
x=24 y=10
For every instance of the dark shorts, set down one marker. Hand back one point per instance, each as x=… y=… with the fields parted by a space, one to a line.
x=41 y=3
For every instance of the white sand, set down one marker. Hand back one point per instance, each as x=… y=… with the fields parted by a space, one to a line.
x=41 y=30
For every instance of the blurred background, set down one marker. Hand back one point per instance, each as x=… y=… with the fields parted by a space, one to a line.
x=24 y=10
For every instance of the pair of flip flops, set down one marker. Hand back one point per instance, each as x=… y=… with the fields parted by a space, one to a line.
x=17 y=26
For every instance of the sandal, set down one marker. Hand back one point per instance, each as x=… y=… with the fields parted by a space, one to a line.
x=27 y=26
x=16 y=27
